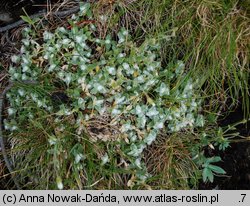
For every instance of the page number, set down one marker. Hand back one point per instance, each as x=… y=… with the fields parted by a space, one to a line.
x=243 y=197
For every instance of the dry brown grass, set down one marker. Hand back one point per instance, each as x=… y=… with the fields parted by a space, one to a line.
x=169 y=160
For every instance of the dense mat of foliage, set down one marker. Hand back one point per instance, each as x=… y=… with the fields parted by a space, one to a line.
x=91 y=89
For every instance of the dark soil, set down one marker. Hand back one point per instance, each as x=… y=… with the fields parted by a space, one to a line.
x=235 y=159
